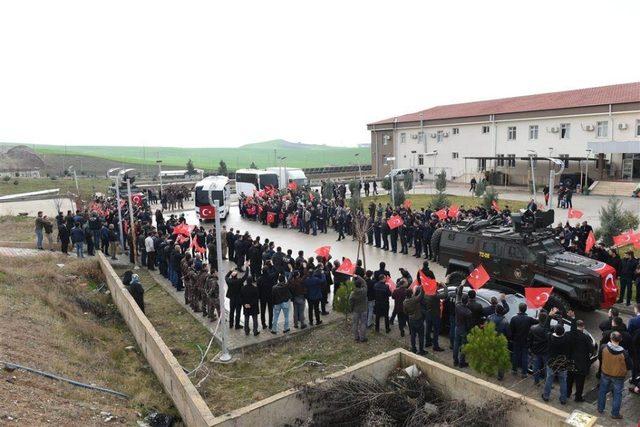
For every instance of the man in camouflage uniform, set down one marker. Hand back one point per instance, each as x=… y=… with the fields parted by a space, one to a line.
x=198 y=286
x=212 y=293
x=187 y=277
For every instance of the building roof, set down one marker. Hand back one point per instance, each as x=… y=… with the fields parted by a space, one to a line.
x=603 y=95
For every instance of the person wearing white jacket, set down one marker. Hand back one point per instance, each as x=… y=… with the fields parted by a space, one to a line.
x=151 y=251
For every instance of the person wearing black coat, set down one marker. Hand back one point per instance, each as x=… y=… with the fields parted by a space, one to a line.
x=464 y=323
x=627 y=272
x=265 y=284
x=519 y=328
x=381 y=306
x=558 y=363
x=63 y=236
x=617 y=324
x=137 y=291
x=234 y=293
x=249 y=296
x=538 y=343
x=580 y=356
x=477 y=312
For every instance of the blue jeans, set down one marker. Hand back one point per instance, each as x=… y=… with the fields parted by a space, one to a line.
x=562 y=379
x=520 y=357
x=539 y=362
x=370 y=305
x=314 y=227
x=617 y=384
x=461 y=339
x=39 y=236
x=433 y=324
x=79 y=249
x=277 y=308
x=96 y=237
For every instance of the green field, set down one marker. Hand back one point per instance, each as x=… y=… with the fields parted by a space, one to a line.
x=87 y=186
x=264 y=154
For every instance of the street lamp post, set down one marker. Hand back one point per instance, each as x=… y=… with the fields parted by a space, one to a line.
x=533 y=173
x=413 y=170
x=75 y=178
x=359 y=169
x=586 y=174
x=285 y=177
x=159 y=162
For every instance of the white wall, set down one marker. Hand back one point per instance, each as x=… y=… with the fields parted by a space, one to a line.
x=470 y=141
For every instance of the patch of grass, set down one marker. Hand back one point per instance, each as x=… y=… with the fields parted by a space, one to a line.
x=87 y=186
x=422 y=201
x=53 y=321
x=17 y=228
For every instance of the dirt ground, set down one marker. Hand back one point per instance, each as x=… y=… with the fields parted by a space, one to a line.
x=17 y=228
x=54 y=320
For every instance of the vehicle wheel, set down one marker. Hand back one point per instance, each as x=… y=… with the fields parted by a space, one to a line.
x=455 y=278
x=558 y=301
x=435 y=244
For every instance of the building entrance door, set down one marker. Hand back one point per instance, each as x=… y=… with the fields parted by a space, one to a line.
x=630 y=166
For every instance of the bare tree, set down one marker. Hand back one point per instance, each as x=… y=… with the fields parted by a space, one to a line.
x=361 y=227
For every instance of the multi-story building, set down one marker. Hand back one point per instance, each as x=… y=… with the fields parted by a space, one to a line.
x=600 y=124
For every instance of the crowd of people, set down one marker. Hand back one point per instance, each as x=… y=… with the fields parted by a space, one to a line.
x=269 y=281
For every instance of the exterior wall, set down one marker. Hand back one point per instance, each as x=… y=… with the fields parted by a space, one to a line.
x=470 y=141
x=21 y=174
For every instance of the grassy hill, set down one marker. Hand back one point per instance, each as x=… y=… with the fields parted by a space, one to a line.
x=264 y=154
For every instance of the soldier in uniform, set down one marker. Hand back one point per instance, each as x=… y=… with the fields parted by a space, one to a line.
x=370 y=230
x=403 y=239
x=394 y=240
x=187 y=278
x=385 y=235
x=198 y=287
x=376 y=231
x=417 y=239
x=212 y=295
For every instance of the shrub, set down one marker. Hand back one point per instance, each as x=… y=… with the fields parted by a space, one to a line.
x=353 y=187
x=6 y=178
x=481 y=187
x=615 y=220
x=490 y=196
x=487 y=351
x=355 y=203
x=327 y=189
x=398 y=193
x=441 y=181
x=439 y=201
x=341 y=298
x=386 y=184
x=222 y=169
x=408 y=181
x=253 y=165
x=15 y=182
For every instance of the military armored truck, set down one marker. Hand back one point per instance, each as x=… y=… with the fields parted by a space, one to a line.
x=524 y=255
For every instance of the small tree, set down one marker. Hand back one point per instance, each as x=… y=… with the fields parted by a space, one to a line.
x=440 y=200
x=253 y=165
x=327 y=189
x=487 y=351
x=341 y=298
x=398 y=193
x=386 y=183
x=408 y=181
x=355 y=203
x=222 y=168
x=353 y=187
x=490 y=196
x=190 y=169
x=481 y=187
x=6 y=178
x=441 y=182
x=615 y=220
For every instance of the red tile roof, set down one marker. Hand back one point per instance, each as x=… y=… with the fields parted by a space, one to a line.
x=614 y=94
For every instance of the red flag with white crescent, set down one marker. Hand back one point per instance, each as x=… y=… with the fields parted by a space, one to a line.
x=395 y=221
x=346 y=267
x=591 y=242
x=478 y=277
x=323 y=251
x=271 y=217
x=407 y=204
x=390 y=284
x=293 y=186
x=207 y=212
x=574 y=214
x=537 y=297
x=441 y=214
x=137 y=199
x=453 y=211
x=495 y=206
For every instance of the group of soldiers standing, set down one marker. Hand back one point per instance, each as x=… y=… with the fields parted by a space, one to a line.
x=201 y=290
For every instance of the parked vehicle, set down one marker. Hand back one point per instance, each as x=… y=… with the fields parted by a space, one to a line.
x=287 y=175
x=250 y=180
x=209 y=190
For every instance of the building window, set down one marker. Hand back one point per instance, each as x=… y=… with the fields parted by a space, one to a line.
x=454 y=155
x=533 y=132
x=385 y=139
x=421 y=136
x=637 y=127
x=455 y=131
x=403 y=138
x=603 y=129
x=500 y=161
x=511 y=133
x=482 y=165
x=564 y=130
x=439 y=136
x=420 y=159
x=485 y=129
x=511 y=162
x=566 y=159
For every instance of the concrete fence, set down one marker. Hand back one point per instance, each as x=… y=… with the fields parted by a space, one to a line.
x=192 y=407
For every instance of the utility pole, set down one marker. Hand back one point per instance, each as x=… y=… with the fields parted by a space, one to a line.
x=119 y=210
x=132 y=226
x=586 y=174
x=159 y=162
x=224 y=351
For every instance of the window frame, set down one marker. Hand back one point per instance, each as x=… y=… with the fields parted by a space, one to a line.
x=455 y=155
x=512 y=133
x=486 y=129
x=420 y=159
x=403 y=138
x=565 y=130
x=455 y=131
x=534 y=132
x=638 y=127
x=511 y=160
x=439 y=136
x=602 y=129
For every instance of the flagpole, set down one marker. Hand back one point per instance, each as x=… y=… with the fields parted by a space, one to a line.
x=119 y=210
x=132 y=226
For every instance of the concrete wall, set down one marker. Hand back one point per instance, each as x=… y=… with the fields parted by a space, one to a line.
x=286 y=407
x=192 y=408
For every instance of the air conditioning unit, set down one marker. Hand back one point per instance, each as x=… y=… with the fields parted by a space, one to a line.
x=589 y=128
x=386 y=137
x=622 y=126
x=445 y=134
x=555 y=129
x=433 y=135
x=414 y=136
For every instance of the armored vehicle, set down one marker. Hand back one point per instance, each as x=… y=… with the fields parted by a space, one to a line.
x=527 y=254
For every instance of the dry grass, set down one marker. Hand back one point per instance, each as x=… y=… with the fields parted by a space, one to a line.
x=17 y=229
x=54 y=320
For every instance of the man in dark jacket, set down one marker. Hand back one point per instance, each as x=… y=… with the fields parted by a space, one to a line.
x=412 y=308
x=627 y=272
x=519 y=328
x=617 y=325
x=281 y=296
x=477 y=313
x=137 y=291
x=359 y=309
x=313 y=283
x=464 y=323
x=381 y=306
x=265 y=282
x=538 y=344
x=77 y=238
x=249 y=298
x=234 y=293
x=558 y=363
x=580 y=346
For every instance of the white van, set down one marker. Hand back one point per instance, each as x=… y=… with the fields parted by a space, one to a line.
x=248 y=180
x=220 y=190
x=286 y=175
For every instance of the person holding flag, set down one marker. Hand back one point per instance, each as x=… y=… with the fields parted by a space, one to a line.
x=412 y=306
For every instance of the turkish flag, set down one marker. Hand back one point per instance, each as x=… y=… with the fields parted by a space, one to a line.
x=413 y=285
x=453 y=211
x=195 y=245
x=346 y=267
x=294 y=220
x=207 y=212
x=137 y=199
x=591 y=242
x=478 y=277
x=311 y=197
x=574 y=214
x=625 y=238
x=271 y=217
x=407 y=204
x=395 y=221
x=390 y=283
x=323 y=251
x=183 y=229
x=293 y=186
x=609 y=288
x=441 y=214
x=495 y=206
x=537 y=297
x=429 y=286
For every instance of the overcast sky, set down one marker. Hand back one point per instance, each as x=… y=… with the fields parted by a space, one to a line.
x=226 y=73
